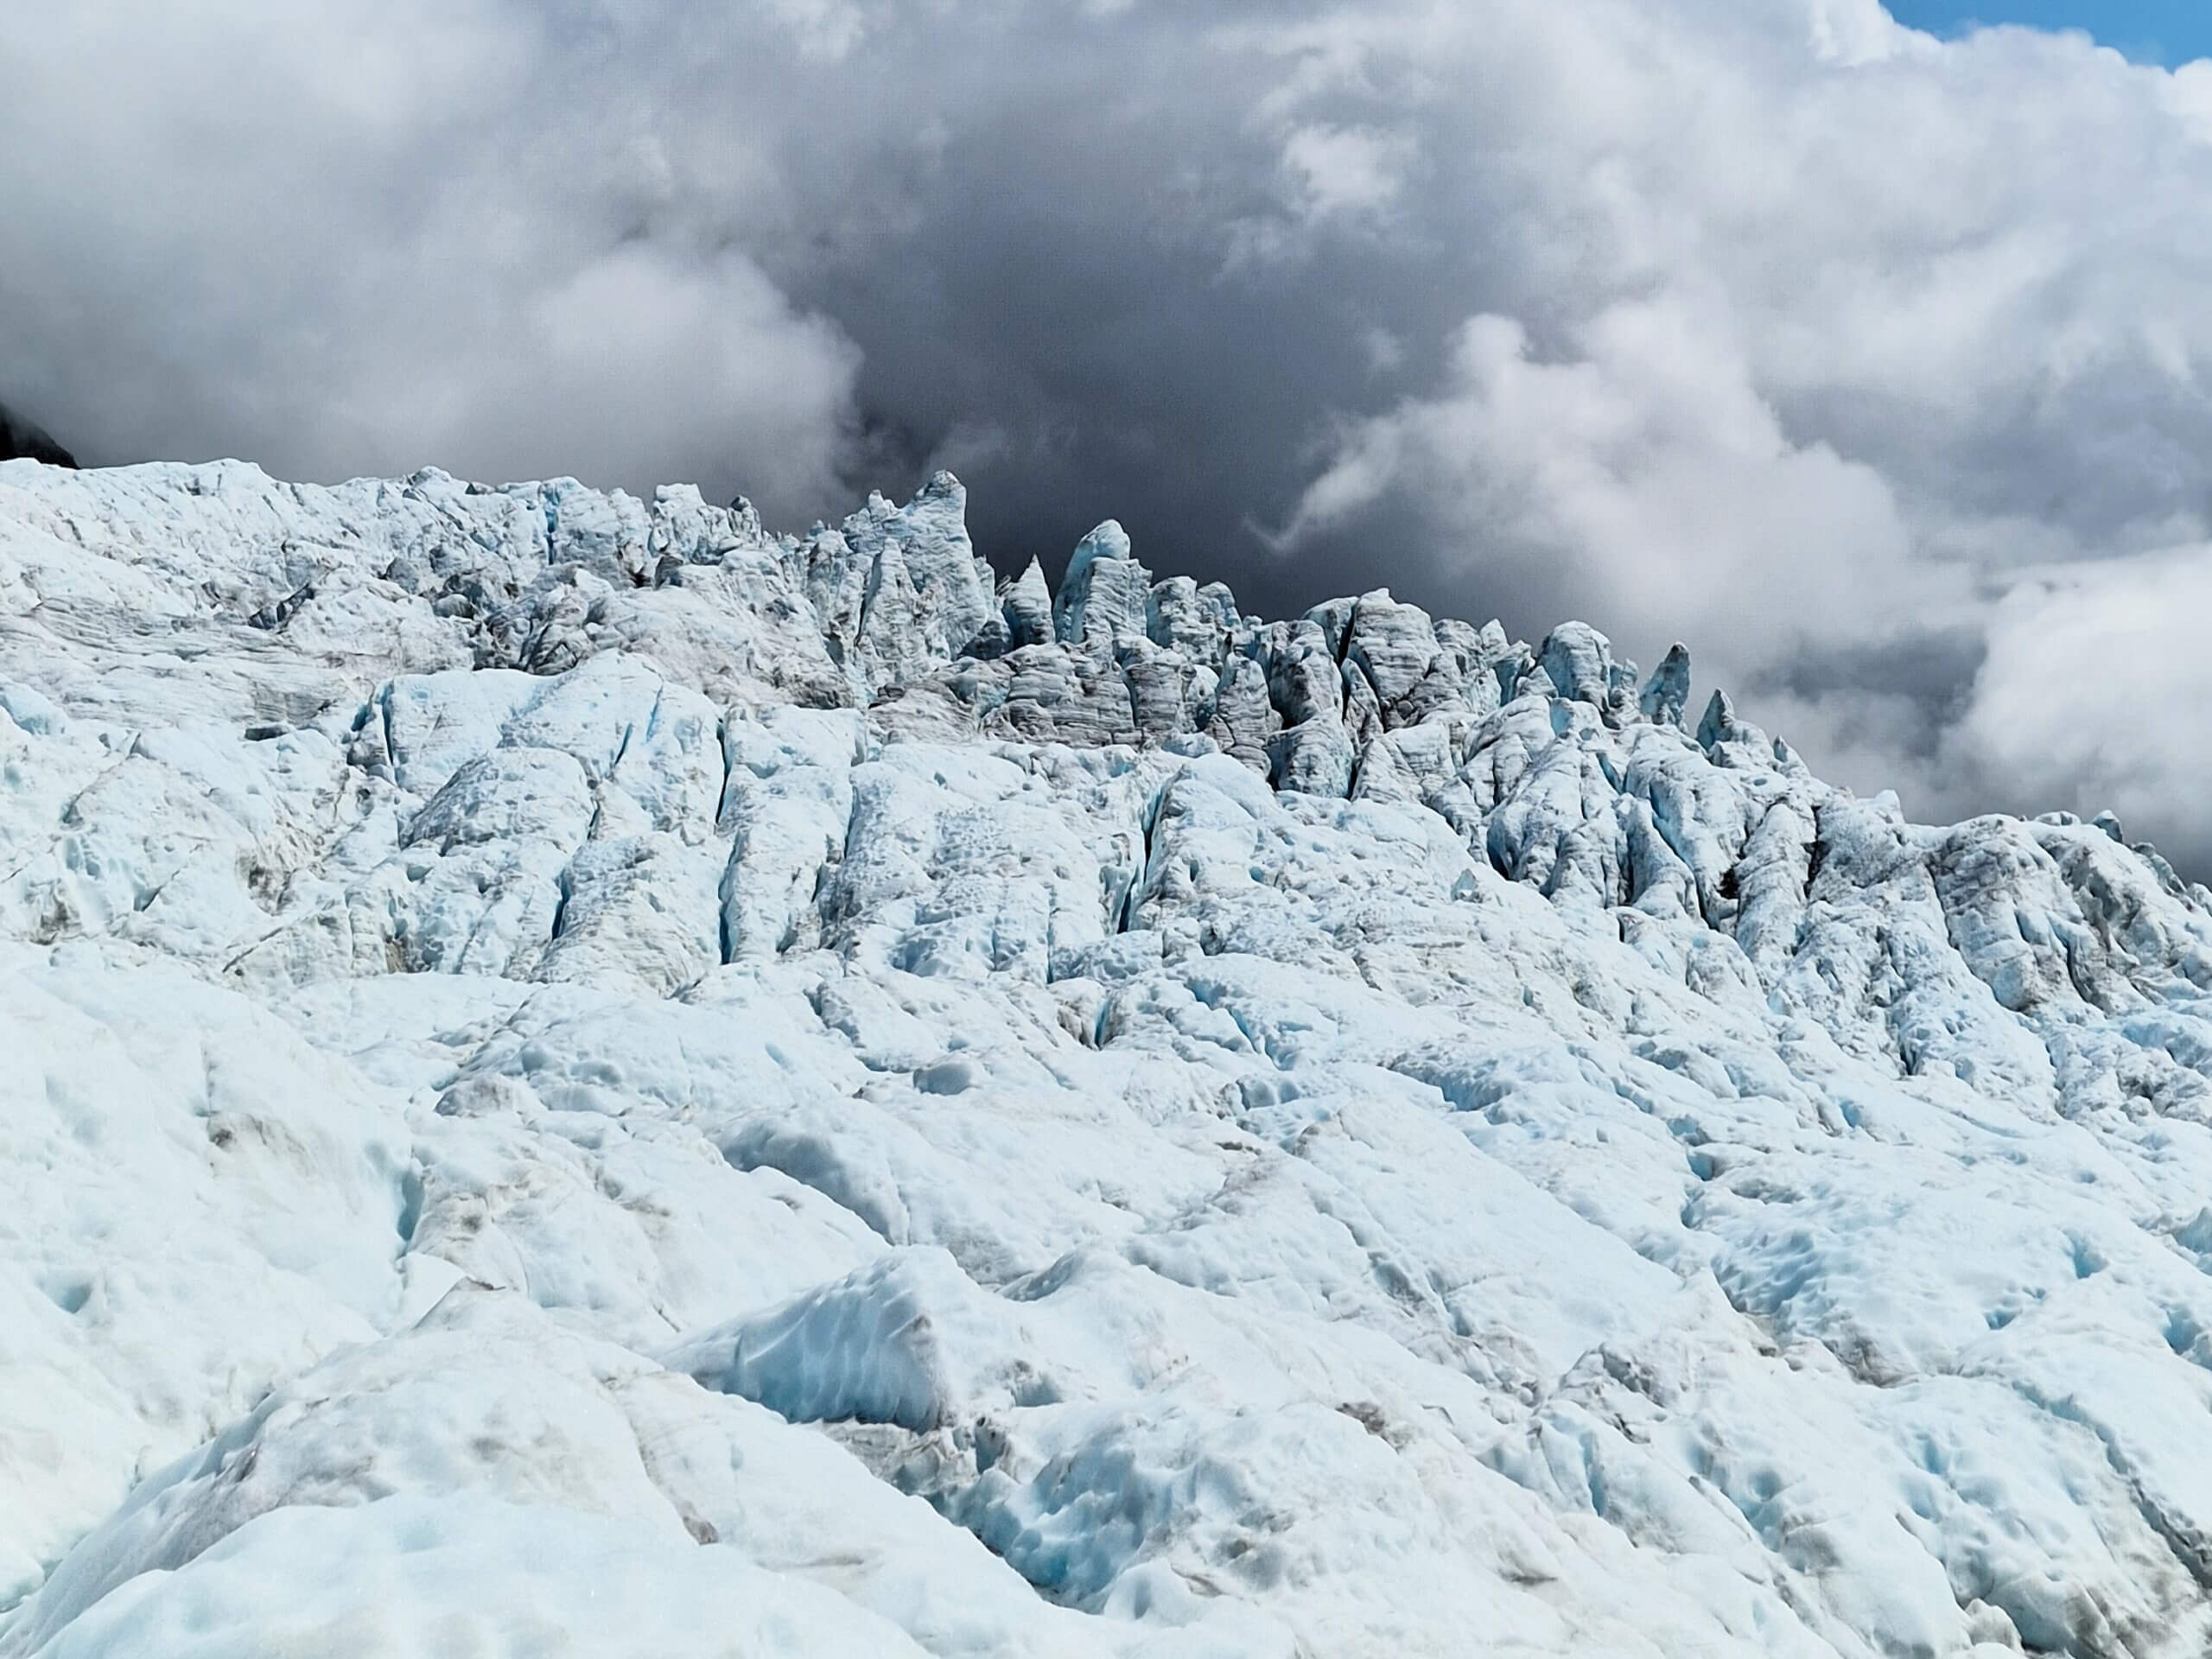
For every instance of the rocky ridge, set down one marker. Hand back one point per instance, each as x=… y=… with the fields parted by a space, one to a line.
x=588 y=1070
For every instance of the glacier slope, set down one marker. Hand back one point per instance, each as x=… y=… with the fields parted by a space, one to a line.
x=584 y=1077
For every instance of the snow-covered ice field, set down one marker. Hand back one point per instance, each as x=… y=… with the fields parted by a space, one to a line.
x=579 y=1078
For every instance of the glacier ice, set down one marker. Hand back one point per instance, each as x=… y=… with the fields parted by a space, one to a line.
x=581 y=1076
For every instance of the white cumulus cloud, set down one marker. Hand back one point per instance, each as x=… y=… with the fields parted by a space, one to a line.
x=1838 y=350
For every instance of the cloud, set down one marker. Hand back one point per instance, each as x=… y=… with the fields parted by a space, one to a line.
x=2097 y=692
x=365 y=236
x=1645 y=465
x=1846 y=354
x=1863 y=352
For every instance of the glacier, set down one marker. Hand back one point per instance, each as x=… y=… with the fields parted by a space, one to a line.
x=578 y=1076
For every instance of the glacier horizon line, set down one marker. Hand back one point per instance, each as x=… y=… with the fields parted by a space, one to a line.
x=682 y=527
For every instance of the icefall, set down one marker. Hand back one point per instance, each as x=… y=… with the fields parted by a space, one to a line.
x=579 y=1072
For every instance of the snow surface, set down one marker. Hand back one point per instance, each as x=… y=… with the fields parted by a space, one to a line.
x=582 y=1078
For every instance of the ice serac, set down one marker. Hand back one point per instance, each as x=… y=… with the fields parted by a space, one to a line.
x=1243 y=717
x=1393 y=646
x=946 y=597
x=1579 y=661
x=1191 y=622
x=1028 y=607
x=1106 y=594
x=583 y=1075
x=1667 y=693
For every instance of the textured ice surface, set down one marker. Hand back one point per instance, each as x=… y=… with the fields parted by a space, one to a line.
x=578 y=1076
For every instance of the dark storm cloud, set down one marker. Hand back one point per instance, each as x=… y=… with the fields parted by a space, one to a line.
x=1926 y=679
x=1869 y=364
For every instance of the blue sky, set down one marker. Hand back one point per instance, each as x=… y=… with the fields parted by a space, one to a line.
x=2154 y=31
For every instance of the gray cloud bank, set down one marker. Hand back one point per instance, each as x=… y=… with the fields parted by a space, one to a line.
x=1874 y=366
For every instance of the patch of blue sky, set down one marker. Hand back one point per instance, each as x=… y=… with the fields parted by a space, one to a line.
x=2149 y=31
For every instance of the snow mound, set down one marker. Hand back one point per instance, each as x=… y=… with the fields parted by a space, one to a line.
x=585 y=1076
